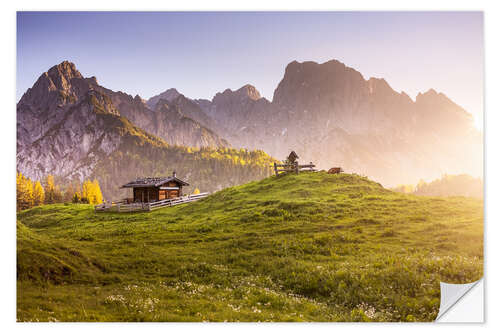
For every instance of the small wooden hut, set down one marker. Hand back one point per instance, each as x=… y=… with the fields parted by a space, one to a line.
x=156 y=188
x=292 y=157
x=291 y=165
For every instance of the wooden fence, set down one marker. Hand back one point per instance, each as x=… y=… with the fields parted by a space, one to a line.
x=294 y=167
x=124 y=206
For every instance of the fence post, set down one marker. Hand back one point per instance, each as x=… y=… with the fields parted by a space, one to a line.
x=275 y=169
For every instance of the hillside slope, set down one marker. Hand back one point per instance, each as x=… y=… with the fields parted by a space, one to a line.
x=308 y=247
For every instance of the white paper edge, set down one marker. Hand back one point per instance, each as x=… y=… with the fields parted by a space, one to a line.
x=462 y=303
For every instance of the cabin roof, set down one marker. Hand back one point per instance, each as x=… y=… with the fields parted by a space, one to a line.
x=154 y=182
x=293 y=156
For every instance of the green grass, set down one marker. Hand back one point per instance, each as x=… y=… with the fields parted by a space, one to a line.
x=308 y=247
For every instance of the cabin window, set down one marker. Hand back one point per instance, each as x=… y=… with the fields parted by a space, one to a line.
x=173 y=194
x=162 y=195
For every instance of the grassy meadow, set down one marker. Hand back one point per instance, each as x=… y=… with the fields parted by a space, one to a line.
x=308 y=247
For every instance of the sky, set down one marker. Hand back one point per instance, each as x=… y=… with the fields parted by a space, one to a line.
x=202 y=53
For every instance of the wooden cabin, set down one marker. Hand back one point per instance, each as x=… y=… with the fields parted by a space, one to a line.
x=156 y=189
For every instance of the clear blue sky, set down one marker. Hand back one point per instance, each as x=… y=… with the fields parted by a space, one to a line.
x=201 y=54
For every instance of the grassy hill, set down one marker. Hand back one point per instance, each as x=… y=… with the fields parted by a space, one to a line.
x=308 y=247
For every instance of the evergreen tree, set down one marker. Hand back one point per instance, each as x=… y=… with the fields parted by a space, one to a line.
x=38 y=194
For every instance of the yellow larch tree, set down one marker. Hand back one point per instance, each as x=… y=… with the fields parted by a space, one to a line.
x=38 y=194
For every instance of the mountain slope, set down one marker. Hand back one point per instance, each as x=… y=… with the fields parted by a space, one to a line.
x=308 y=247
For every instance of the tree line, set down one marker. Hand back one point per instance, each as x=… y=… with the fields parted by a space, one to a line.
x=30 y=194
x=205 y=168
x=447 y=185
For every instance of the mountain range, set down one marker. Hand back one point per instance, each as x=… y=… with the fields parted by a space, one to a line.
x=331 y=116
x=71 y=127
x=68 y=125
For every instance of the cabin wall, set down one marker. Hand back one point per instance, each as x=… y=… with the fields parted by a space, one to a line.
x=168 y=194
x=173 y=194
x=145 y=194
x=148 y=194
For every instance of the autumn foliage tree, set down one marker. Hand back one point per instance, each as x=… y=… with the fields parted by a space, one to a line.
x=24 y=192
x=38 y=194
x=52 y=192
x=91 y=192
x=30 y=194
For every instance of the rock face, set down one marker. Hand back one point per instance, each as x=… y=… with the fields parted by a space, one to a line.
x=192 y=133
x=174 y=122
x=242 y=116
x=88 y=130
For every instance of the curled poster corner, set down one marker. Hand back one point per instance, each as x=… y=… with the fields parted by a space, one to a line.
x=452 y=294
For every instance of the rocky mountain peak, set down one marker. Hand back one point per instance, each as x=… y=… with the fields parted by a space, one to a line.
x=245 y=93
x=296 y=67
x=249 y=91
x=169 y=95
x=431 y=93
x=66 y=70
x=62 y=84
x=435 y=99
x=139 y=99
x=305 y=84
